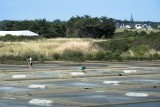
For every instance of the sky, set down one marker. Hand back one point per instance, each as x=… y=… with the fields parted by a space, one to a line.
x=142 y=10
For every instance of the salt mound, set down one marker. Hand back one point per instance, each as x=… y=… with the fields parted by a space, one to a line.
x=18 y=76
x=111 y=82
x=41 y=102
x=130 y=71
x=77 y=73
x=37 y=86
x=133 y=94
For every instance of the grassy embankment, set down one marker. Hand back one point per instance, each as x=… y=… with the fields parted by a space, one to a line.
x=48 y=49
x=131 y=48
x=137 y=30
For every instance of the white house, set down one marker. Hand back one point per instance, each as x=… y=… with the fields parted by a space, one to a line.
x=138 y=26
x=127 y=26
x=147 y=27
x=18 y=33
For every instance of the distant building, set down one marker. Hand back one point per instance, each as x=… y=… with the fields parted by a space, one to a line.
x=134 y=24
x=144 y=27
x=147 y=27
x=18 y=33
x=138 y=26
x=127 y=26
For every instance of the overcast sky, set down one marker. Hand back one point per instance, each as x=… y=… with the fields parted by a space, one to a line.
x=142 y=10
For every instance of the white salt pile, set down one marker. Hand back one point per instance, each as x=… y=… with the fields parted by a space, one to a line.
x=37 y=86
x=41 y=102
x=77 y=73
x=111 y=82
x=134 y=94
x=18 y=76
x=130 y=71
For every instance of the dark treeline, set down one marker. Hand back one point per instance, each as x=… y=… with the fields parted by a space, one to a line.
x=83 y=27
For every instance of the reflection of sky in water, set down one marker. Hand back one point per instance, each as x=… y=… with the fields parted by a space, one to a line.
x=12 y=89
x=151 y=104
x=83 y=84
x=137 y=80
x=13 y=103
x=79 y=84
x=47 y=74
x=97 y=98
x=146 y=81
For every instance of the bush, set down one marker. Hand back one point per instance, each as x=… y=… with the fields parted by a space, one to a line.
x=88 y=57
x=143 y=33
x=117 y=56
x=120 y=45
x=9 y=37
x=109 y=55
x=56 y=56
x=140 y=51
x=103 y=44
x=41 y=59
x=156 y=56
x=72 y=55
x=100 y=55
x=5 y=58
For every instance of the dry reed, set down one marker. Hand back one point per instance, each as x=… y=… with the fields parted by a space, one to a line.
x=47 y=47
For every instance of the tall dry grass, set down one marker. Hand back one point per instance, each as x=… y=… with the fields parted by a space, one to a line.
x=47 y=47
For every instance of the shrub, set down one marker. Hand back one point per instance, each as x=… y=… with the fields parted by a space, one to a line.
x=72 y=55
x=100 y=55
x=143 y=33
x=109 y=55
x=41 y=59
x=56 y=56
x=9 y=37
x=10 y=58
x=156 y=56
x=121 y=45
x=103 y=44
x=117 y=56
x=140 y=51
x=88 y=57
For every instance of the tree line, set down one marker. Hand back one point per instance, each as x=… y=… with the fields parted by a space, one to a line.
x=79 y=26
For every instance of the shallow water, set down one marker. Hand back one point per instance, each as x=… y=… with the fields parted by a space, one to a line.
x=46 y=74
x=151 y=104
x=97 y=97
x=12 y=89
x=74 y=83
x=13 y=103
x=88 y=88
